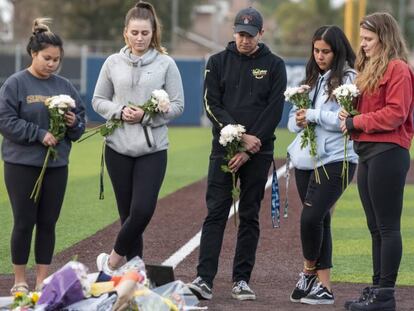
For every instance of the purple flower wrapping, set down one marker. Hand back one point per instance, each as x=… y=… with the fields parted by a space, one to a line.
x=64 y=289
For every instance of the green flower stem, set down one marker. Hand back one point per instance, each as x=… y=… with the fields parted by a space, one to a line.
x=345 y=166
x=38 y=185
x=91 y=132
x=235 y=196
x=324 y=169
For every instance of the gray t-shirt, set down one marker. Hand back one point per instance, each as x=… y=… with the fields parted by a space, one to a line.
x=24 y=119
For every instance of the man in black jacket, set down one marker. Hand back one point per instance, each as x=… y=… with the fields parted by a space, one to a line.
x=244 y=84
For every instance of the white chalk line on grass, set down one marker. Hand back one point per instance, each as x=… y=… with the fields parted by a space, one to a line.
x=176 y=258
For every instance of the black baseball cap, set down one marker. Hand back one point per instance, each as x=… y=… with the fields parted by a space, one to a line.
x=248 y=20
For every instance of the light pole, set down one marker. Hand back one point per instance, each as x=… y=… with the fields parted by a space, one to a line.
x=174 y=23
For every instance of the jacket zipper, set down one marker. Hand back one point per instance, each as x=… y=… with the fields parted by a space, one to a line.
x=147 y=136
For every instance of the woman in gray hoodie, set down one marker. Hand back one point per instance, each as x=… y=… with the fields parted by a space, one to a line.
x=136 y=153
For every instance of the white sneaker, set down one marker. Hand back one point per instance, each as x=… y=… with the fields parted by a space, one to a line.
x=102 y=263
x=242 y=291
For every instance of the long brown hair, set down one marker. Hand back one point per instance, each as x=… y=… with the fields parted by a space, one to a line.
x=144 y=10
x=391 y=46
x=344 y=57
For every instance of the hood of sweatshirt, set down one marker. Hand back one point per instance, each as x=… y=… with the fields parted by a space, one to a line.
x=136 y=62
x=263 y=50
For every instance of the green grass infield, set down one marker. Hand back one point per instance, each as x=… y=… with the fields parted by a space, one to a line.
x=187 y=163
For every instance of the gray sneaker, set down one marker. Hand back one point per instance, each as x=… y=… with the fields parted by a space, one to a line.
x=242 y=291
x=303 y=286
x=200 y=288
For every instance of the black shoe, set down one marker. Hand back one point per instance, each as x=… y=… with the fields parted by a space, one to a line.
x=319 y=295
x=303 y=286
x=364 y=296
x=380 y=299
x=200 y=288
x=242 y=291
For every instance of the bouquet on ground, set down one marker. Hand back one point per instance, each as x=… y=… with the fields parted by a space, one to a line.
x=230 y=138
x=57 y=107
x=66 y=286
x=23 y=301
x=299 y=97
x=345 y=95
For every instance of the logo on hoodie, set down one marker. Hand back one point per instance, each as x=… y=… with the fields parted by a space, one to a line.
x=259 y=73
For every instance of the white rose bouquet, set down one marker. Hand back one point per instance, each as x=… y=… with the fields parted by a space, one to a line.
x=57 y=107
x=345 y=95
x=158 y=102
x=299 y=97
x=230 y=138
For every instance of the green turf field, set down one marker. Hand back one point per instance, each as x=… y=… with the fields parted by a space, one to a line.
x=187 y=163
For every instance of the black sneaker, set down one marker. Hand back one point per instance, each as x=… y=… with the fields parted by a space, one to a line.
x=364 y=296
x=319 y=295
x=303 y=286
x=200 y=288
x=242 y=291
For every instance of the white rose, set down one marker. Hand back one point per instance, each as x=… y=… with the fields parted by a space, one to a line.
x=69 y=101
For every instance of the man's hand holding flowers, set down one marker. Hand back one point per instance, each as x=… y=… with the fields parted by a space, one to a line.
x=237 y=161
x=231 y=139
x=251 y=143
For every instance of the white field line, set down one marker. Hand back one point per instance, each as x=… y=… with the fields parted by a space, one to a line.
x=176 y=258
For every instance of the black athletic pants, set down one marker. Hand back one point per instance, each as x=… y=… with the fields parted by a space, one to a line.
x=317 y=200
x=136 y=182
x=253 y=176
x=20 y=180
x=381 y=181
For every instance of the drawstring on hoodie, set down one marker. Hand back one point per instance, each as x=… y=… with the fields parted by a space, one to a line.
x=136 y=62
x=135 y=71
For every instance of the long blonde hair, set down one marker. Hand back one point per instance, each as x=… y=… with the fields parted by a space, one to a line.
x=391 y=46
x=144 y=10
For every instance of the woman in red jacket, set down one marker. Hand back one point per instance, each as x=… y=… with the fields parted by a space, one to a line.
x=382 y=135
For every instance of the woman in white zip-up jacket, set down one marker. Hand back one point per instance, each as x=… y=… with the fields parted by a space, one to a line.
x=136 y=153
x=329 y=66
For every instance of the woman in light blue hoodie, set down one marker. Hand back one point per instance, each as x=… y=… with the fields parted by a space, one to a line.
x=136 y=153
x=329 y=66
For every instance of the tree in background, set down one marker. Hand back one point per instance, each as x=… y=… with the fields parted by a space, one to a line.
x=399 y=9
x=296 y=21
x=95 y=20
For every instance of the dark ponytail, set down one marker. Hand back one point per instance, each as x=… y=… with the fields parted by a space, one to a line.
x=42 y=37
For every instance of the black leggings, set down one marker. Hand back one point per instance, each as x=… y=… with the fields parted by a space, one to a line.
x=317 y=200
x=136 y=182
x=381 y=181
x=19 y=180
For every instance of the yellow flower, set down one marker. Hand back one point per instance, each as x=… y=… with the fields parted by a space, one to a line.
x=18 y=295
x=35 y=297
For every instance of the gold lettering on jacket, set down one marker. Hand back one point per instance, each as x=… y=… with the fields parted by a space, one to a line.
x=31 y=99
